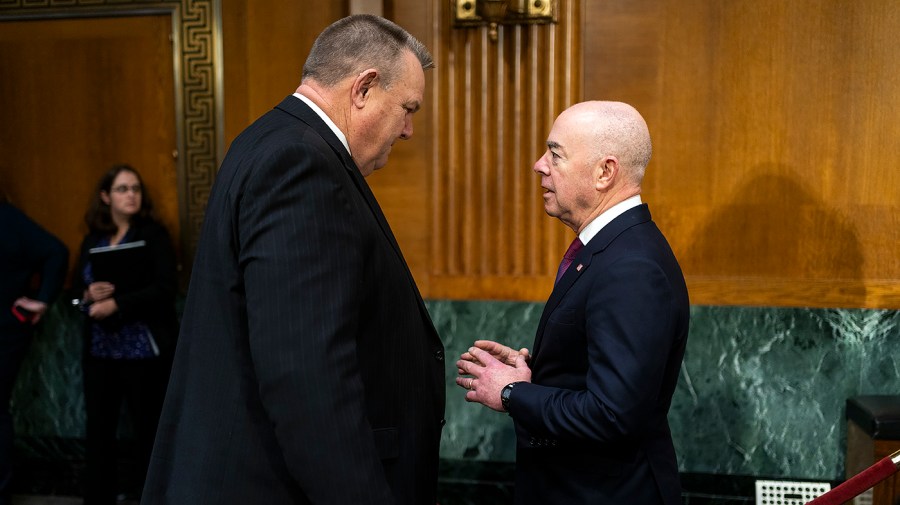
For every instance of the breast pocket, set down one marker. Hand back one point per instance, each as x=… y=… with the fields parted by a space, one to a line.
x=563 y=344
x=563 y=316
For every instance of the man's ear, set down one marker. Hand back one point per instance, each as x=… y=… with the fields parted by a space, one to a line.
x=362 y=86
x=607 y=171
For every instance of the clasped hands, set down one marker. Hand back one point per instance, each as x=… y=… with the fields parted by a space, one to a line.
x=102 y=304
x=487 y=367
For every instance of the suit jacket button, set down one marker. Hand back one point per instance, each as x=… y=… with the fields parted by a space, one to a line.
x=439 y=355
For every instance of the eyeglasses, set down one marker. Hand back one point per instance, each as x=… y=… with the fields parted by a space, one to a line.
x=124 y=189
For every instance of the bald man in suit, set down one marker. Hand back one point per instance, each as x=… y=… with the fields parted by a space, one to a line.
x=307 y=369
x=590 y=400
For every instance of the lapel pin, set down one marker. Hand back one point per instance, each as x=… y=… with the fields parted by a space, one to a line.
x=579 y=267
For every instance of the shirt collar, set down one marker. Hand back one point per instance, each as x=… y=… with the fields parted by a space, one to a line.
x=606 y=217
x=337 y=132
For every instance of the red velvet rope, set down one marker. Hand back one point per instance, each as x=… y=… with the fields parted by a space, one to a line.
x=858 y=483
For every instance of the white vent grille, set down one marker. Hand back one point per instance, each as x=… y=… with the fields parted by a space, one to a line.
x=865 y=498
x=785 y=492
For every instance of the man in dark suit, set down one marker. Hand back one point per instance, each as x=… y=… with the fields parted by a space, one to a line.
x=590 y=401
x=307 y=368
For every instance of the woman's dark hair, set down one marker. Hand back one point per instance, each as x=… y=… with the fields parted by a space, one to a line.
x=98 y=216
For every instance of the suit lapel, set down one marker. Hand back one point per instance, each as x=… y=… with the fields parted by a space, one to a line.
x=581 y=263
x=297 y=108
x=582 y=260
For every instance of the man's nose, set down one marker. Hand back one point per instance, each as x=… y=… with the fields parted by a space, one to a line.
x=540 y=166
x=407 y=130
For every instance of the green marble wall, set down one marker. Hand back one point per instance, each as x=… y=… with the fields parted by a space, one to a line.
x=47 y=401
x=762 y=390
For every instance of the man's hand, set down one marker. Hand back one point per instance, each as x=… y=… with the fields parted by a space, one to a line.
x=488 y=376
x=499 y=351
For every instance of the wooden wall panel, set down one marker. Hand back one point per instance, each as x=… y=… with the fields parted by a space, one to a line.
x=775 y=141
x=122 y=95
x=495 y=103
x=774 y=127
x=402 y=186
x=264 y=46
x=78 y=95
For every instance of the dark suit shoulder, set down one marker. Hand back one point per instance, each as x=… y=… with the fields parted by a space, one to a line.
x=276 y=148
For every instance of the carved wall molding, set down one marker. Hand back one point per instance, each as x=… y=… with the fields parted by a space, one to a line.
x=497 y=101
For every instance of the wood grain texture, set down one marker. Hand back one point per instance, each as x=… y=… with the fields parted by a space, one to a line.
x=862 y=452
x=496 y=101
x=775 y=142
x=774 y=128
x=77 y=96
x=264 y=46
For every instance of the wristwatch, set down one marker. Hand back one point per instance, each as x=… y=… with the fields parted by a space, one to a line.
x=504 y=395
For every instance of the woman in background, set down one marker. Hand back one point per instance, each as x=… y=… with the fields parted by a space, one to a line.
x=130 y=331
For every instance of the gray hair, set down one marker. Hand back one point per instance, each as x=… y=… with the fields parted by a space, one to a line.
x=352 y=44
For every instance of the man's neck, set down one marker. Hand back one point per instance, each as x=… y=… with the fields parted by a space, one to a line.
x=323 y=99
x=608 y=201
x=320 y=100
x=594 y=226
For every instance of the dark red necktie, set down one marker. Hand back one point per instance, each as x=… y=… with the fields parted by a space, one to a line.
x=571 y=252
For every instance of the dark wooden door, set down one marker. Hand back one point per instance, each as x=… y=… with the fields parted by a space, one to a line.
x=76 y=96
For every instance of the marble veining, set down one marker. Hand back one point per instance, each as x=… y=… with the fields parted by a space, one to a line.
x=48 y=399
x=762 y=390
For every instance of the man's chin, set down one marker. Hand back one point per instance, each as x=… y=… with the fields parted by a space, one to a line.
x=551 y=210
x=378 y=165
x=367 y=169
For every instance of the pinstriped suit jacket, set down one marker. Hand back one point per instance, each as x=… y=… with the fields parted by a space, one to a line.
x=307 y=368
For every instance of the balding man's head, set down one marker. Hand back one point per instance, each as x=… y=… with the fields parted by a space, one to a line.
x=596 y=156
x=615 y=129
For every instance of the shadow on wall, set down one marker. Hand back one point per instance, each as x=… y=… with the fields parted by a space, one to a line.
x=773 y=227
x=769 y=384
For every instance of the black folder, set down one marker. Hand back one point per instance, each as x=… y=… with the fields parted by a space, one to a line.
x=123 y=265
